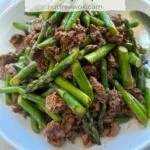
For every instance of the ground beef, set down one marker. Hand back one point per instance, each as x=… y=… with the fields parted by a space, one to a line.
x=86 y=139
x=137 y=93
x=52 y=51
x=42 y=63
x=99 y=88
x=68 y=74
x=114 y=39
x=95 y=106
x=31 y=38
x=17 y=41
x=111 y=61
x=55 y=104
x=71 y=136
x=113 y=130
x=11 y=70
x=117 y=20
x=37 y=24
x=91 y=47
x=55 y=133
x=96 y=34
x=91 y=70
x=116 y=106
x=6 y=59
x=70 y=39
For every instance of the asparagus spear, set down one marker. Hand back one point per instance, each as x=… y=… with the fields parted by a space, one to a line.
x=73 y=104
x=104 y=78
x=81 y=79
x=99 y=53
x=108 y=22
x=14 y=89
x=48 y=42
x=72 y=20
x=56 y=17
x=130 y=101
x=122 y=118
x=141 y=81
x=45 y=15
x=53 y=73
x=34 y=126
x=147 y=99
x=65 y=19
x=8 y=96
x=66 y=85
x=134 y=23
x=134 y=60
x=85 y=19
x=29 y=107
x=33 y=13
x=22 y=26
x=96 y=21
x=90 y=128
x=146 y=69
x=25 y=72
x=123 y=57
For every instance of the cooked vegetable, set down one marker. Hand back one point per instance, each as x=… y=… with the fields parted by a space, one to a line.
x=85 y=18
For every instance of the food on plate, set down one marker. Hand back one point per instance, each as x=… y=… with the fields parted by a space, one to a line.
x=76 y=74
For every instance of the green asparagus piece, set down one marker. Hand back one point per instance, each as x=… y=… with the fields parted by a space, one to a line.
x=90 y=128
x=73 y=104
x=99 y=53
x=48 y=42
x=104 y=78
x=8 y=96
x=123 y=57
x=34 y=126
x=82 y=80
x=65 y=19
x=29 y=107
x=48 y=92
x=134 y=60
x=101 y=117
x=108 y=22
x=85 y=19
x=141 y=80
x=130 y=101
x=129 y=46
x=96 y=21
x=147 y=99
x=45 y=14
x=134 y=23
x=32 y=13
x=13 y=89
x=22 y=26
x=78 y=94
x=122 y=118
x=72 y=20
x=56 y=17
x=23 y=74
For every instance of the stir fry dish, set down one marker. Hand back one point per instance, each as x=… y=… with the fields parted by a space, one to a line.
x=76 y=74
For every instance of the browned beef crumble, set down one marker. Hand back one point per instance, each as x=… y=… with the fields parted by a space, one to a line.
x=99 y=88
x=6 y=59
x=91 y=47
x=116 y=106
x=31 y=38
x=117 y=20
x=55 y=104
x=42 y=63
x=111 y=131
x=91 y=70
x=137 y=93
x=71 y=136
x=52 y=51
x=17 y=41
x=11 y=70
x=37 y=24
x=96 y=34
x=68 y=74
x=70 y=39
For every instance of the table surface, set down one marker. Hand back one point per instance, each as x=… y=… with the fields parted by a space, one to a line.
x=3 y=144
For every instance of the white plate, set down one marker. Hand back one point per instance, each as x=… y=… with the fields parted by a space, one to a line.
x=16 y=130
